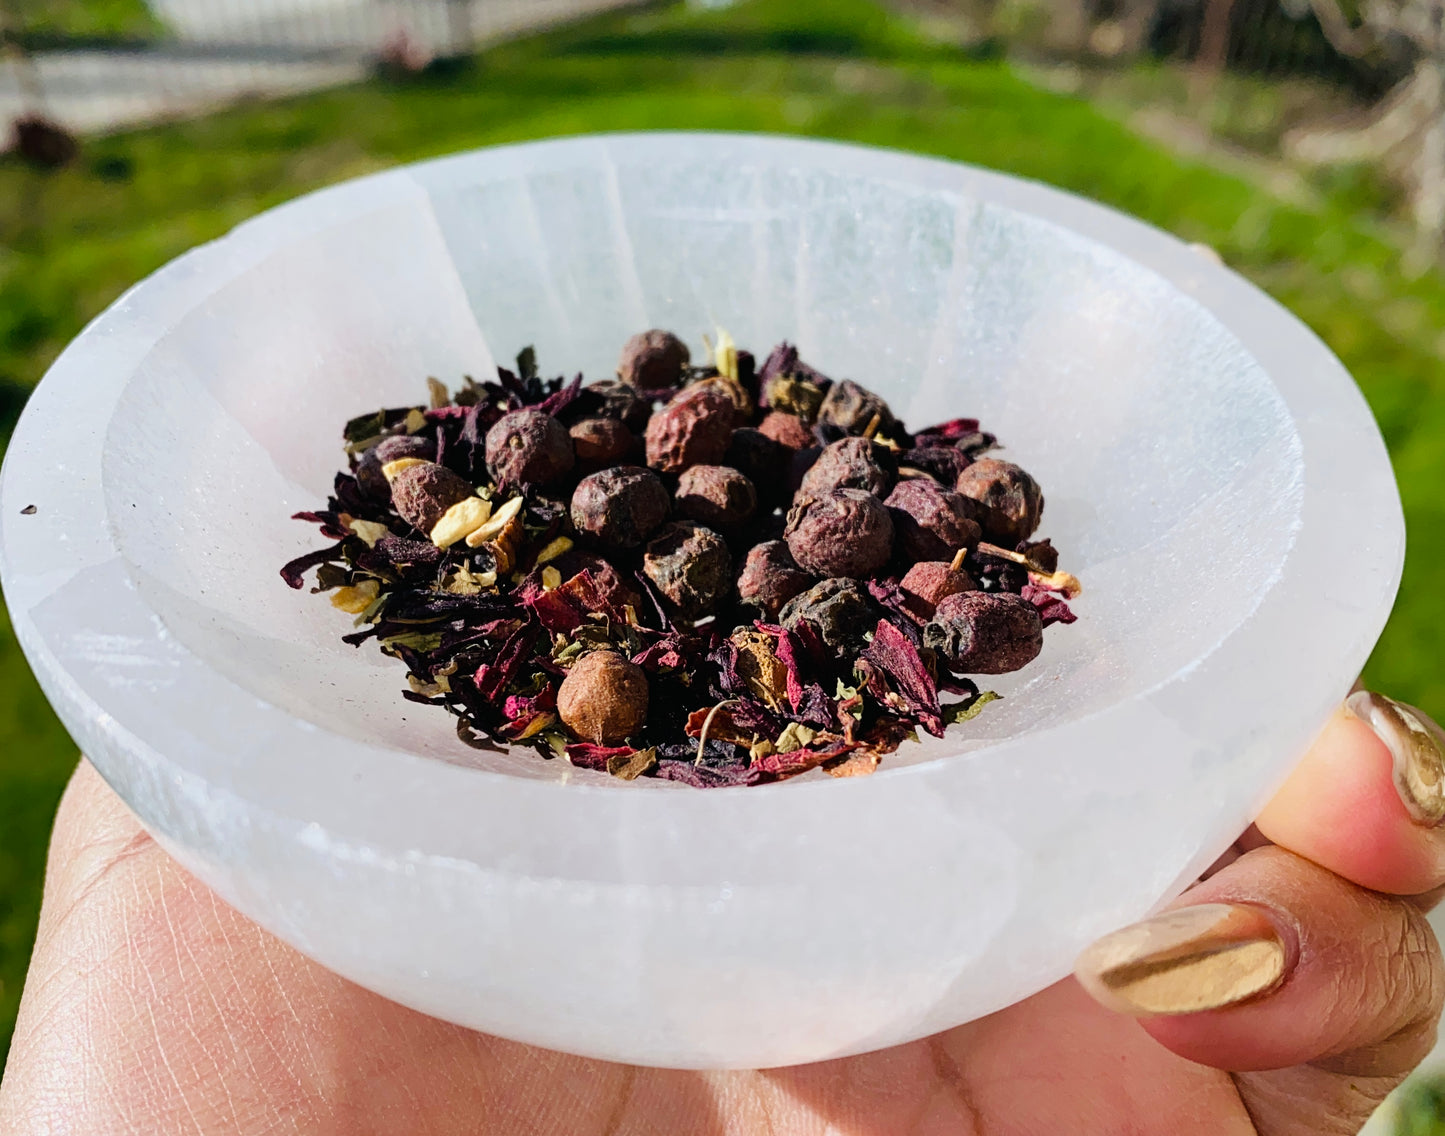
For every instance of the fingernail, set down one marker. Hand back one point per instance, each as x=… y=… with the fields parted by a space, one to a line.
x=1185 y=961
x=1418 y=746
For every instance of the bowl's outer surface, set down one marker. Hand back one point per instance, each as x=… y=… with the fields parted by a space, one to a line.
x=1213 y=475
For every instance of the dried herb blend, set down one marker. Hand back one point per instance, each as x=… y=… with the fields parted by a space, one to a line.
x=721 y=575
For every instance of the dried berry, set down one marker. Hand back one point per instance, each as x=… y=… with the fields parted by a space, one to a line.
x=942 y=463
x=840 y=611
x=611 y=398
x=619 y=507
x=929 y=582
x=528 y=447
x=787 y=429
x=693 y=429
x=604 y=698
x=770 y=578
x=368 y=470
x=930 y=522
x=423 y=493
x=855 y=410
x=985 y=632
x=1011 y=499
x=845 y=533
x=691 y=567
x=715 y=495
x=762 y=461
x=850 y=463
x=601 y=441
x=652 y=360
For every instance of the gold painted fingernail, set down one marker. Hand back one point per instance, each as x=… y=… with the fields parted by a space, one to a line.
x=1185 y=961
x=1418 y=746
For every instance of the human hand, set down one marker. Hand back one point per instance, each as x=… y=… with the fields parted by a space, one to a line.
x=152 y=1008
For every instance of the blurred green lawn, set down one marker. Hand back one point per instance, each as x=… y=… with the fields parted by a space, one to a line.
x=71 y=242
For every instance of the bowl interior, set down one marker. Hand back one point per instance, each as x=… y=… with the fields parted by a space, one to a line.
x=1170 y=464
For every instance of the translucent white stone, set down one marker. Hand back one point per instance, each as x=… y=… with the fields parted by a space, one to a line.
x=1212 y=474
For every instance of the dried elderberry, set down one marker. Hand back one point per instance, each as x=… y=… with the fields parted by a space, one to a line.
x=850 y=463
x=368 y=471
x=770 y=578
x=1012 y=501
x=653 y=360
x=691 y=567
x=715 y=495
x=619 y=507
x=855 y=410
x=844 y=533
x=929 y=582
x=600 y=442
x=423 y=493
x=693 y=429
x=985 y=632
x=930 y=522
x=787 y=430
x=840 y=611
x=528 y=447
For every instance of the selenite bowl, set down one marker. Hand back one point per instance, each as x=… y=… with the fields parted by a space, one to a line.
x=1212 y=475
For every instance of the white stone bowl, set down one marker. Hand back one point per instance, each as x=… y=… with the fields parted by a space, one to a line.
x=1212 y=474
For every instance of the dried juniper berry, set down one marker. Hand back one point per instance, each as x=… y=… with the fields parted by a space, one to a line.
x=855 y=410
x=715 y=495
x=653 y=360
x=368 y=470
x=985 y=632
x=839 y=610
x=928 y=582
x=844 y=533
x=600 y=442
x=528 y=447
x=693 y=429
x=930 y=522
x=604 y=698
x=1012 y=501
x=691 y=567
x=619 y=507
x=423 y=493
x=770 y=578
x=850 y=463
x=787 y=429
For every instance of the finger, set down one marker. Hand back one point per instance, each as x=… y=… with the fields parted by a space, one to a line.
x=1368 y=800
x=1277 y=964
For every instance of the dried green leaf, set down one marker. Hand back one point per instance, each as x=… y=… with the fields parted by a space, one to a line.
x=633 y=765
x=527 y=363
x=365 y=426
x=794 y=736
x=963 y=711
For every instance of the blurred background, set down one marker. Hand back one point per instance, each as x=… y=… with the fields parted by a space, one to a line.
x=1304 y=140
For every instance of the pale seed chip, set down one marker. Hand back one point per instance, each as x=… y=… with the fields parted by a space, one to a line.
x=460 y=521
x=369 y=531
x=392 y=468
x=356 y=598
x=554 y=549
x=498 y=522
x=551 y=578
x=415 y=421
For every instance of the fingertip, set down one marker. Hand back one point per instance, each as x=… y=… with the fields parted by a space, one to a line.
x=1340 y=809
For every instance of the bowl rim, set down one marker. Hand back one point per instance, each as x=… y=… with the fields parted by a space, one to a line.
x=85 y=380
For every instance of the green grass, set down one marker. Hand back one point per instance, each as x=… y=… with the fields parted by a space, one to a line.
x=88 y=19
x=71 y=242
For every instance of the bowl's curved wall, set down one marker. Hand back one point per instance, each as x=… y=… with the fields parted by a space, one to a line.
x=1197 y=445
